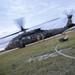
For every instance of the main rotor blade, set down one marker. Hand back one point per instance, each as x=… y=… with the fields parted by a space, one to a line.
x=49 y=21
x=14 y=33
x=10 y=35
x=20 y=22
x=22 y=29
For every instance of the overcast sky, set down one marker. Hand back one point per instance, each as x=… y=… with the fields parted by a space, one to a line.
x=34 y=13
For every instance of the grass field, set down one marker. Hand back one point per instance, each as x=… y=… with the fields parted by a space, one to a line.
x=16 y=62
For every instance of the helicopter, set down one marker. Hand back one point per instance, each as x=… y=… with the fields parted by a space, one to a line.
x=38 y=34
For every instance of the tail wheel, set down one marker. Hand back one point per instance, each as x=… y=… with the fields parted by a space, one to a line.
x=40 y=37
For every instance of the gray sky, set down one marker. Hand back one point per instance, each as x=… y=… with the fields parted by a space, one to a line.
x=34 y=13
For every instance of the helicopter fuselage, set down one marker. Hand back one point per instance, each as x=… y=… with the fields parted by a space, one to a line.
x=30 y=37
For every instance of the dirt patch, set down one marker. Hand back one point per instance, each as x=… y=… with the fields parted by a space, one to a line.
x=45 y=56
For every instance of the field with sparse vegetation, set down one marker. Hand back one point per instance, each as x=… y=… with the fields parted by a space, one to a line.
x=16 y=62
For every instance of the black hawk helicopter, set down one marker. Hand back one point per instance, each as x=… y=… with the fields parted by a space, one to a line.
x=25 y=38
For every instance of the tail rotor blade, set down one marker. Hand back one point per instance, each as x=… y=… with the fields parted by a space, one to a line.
x=69 y=12
x=65 y=12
